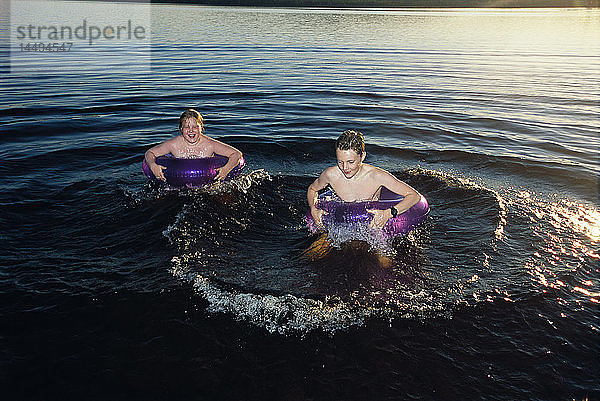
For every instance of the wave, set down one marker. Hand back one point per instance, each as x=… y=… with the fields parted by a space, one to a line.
x=255 y=267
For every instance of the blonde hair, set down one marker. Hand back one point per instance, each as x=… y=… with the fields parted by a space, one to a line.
x=191 y=114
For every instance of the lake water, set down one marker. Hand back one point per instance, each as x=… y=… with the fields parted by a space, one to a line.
x=114 y=288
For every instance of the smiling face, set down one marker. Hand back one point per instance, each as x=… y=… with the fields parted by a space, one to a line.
x=191 y=130
x=349 y=162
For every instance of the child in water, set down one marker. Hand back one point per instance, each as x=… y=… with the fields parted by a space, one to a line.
x=192 y=143
x=352 y=180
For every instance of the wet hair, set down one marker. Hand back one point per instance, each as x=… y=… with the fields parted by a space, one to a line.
x=351 y=140
x=191 y=114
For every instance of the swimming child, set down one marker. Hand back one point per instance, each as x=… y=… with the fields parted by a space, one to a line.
x=352 y=180
x=192 y=143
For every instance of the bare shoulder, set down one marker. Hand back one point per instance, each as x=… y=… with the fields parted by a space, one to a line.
x=168 y=146
x=208 y=139
x=381 y=176
x=176 y=140
x=328 y=176
x=216 y=146
x=380 y=171
x=330 y=172
x=213 y=141
x=373 y=172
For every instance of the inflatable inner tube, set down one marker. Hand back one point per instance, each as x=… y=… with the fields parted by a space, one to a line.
x=192 y=172
x=347 y=213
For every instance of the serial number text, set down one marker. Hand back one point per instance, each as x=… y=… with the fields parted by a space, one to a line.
x=46 y=47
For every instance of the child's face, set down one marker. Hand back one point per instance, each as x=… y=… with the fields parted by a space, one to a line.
x=349 y=162
x=190 y=129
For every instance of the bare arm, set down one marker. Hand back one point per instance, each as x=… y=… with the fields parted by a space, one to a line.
x=411 y=197
x=313 y=193
x=229 y=151
x=158 y=150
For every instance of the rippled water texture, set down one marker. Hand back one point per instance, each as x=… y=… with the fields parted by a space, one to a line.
x=148 y=292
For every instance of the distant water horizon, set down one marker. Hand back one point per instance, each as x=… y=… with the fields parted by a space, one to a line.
x=508 y=4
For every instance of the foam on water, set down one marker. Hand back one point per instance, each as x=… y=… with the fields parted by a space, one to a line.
x=263 y=266
x=288 y=313
x=241 y=183
x=278 y=276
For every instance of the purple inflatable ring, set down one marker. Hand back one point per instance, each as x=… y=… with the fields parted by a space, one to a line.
x=192 y=172
x=345 y=213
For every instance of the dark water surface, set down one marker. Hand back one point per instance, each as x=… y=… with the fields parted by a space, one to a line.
x=112 y=288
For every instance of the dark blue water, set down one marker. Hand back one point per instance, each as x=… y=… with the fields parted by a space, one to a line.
x=113 y=288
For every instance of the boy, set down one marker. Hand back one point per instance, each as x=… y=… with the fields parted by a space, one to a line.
x=192 y=143
x=352 y=180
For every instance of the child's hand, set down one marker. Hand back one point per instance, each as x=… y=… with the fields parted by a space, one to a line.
x=157 y=170
x=221 y=174
x=380 y=217
x=317 y=215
